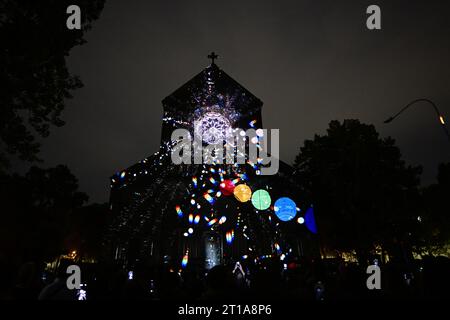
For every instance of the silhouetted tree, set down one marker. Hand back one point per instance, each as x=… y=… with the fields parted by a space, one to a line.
x=87 y=227
x=35 y=80
x=363 y=192
x=35 y=212
x=435 y=221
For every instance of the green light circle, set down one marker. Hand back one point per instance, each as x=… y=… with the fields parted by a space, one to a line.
x=261 y=199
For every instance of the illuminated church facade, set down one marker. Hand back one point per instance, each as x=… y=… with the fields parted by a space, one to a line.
x=207 y=214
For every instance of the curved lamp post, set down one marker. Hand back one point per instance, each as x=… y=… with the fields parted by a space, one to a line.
x=440 y=116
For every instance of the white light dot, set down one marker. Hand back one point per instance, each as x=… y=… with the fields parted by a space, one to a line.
x=301 y=220
x=191 y=231
x=260 y=132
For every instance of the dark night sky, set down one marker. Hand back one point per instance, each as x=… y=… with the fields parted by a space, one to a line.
x=309 y=61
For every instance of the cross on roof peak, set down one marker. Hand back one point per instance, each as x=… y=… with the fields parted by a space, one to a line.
x=213 y=56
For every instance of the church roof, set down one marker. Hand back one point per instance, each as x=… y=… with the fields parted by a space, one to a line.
x=211 y=87
x=207 y=88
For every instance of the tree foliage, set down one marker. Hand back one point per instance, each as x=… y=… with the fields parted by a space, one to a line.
x=34 y=75
x=35 y=212
x=435 y=222
x=363 y=192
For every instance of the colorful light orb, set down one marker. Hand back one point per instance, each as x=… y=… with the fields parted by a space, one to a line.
x=191 y=218
x=197 y=219
x=310 y=221
x=222 y=220
x=261 y=199
x=242 y=193
x=212 y=128
x=285 y=209
x=227 y=187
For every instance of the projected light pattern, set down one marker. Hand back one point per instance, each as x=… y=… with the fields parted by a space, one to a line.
x=212 y=128
x=212 y=222
x=178 y=210
x=208 y=198
x=229 y=236
x=185 y=260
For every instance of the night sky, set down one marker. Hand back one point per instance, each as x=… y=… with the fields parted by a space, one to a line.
x=310 y=62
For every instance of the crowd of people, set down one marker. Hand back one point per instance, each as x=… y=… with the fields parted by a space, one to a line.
x=306 y=280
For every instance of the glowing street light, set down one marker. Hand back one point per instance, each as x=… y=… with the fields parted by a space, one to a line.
x=440 y=116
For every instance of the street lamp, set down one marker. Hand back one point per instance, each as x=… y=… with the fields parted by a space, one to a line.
x=440 y=116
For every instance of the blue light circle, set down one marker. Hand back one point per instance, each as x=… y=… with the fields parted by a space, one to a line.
x=285 y=209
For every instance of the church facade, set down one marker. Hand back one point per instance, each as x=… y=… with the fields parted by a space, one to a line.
x=207 y=214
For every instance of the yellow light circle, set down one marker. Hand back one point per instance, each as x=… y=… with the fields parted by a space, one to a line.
x=243 y=193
